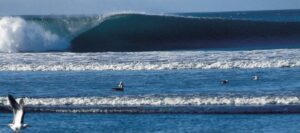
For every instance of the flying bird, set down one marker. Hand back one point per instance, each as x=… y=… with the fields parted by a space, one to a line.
x=18 y=110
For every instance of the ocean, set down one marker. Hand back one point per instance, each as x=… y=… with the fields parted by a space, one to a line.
x=172 y=66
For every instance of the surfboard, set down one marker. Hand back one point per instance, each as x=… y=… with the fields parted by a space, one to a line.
x=118 y=89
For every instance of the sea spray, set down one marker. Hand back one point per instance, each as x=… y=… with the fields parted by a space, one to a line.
x=42 y=33
x=18 y=35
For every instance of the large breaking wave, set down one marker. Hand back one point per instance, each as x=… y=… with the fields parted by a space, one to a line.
x=144 y=32
x=140 y=32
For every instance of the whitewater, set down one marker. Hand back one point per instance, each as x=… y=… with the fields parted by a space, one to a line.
x=172 y=100
x=40 y=34
x=65 y=61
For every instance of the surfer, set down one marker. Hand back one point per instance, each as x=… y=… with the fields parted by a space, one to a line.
x=224 y=81
x=120 y=87
x=255 y=77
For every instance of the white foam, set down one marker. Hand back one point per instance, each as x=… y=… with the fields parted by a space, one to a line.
x=160 y=101
x=17 y=35
x=65 y=61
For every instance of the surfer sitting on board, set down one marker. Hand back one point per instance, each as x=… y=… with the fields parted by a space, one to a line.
x=120 y=87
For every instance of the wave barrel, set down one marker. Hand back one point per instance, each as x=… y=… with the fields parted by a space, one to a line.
x=140 y=32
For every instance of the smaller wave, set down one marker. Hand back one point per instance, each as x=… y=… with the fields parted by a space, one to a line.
x=278 y=58
x=162 y=104
x=148 y=66
x=160 y=101
x=18 y=35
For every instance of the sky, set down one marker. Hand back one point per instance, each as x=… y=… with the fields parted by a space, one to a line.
x=36 y=7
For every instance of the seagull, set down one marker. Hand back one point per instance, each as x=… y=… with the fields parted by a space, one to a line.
x=18 y=111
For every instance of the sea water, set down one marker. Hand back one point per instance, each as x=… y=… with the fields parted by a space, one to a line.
x=128 y=123
x=72 y=92
x=166 y=90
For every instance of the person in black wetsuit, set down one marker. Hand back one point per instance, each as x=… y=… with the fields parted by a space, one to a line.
x=120 y=87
